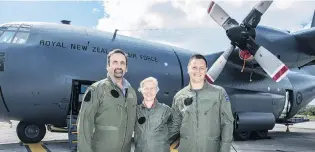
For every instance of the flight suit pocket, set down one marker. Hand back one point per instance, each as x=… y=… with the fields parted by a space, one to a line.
x=227 y=117
x=185 y=143
x=110 y=114
x=209 y=107
x=213 y=143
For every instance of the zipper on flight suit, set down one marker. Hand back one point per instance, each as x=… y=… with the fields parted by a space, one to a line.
x=125 y=107
x=197 y=121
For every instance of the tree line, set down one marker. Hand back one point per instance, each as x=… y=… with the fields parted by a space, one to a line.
x=308 y=110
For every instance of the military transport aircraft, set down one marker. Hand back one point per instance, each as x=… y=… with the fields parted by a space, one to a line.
x=269 y=74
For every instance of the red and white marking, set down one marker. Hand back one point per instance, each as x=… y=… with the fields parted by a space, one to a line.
x=280 y=73
x=209 y=78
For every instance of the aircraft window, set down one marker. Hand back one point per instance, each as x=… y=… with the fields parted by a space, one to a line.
x=24 y=29
x=20 y=37
x=6 y=37
x=4 y=27
x=13 y=27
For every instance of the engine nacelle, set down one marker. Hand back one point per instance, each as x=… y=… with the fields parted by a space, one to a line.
x=254 y=121
x=303 y=92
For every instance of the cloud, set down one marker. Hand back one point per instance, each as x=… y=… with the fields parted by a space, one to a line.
x=95 y=10
x=193 y=27
x=284 y=4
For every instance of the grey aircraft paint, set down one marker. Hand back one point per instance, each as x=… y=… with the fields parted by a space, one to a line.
x=36 y=77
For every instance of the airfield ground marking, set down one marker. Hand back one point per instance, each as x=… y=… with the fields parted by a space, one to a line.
x=174 y=146
x=38 y=147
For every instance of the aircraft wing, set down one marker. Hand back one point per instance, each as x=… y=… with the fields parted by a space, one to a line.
x=306 y=39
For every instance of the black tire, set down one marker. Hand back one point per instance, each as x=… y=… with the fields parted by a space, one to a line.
x=30 y=132
x=242 y=136
x=263 y=134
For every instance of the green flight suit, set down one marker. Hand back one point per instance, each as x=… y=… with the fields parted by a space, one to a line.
x=204 y=119
x=107 y=118
x=153 y=128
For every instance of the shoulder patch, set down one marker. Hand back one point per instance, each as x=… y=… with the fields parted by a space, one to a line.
x=87 y=97
x=226 y=97
x=188 y=101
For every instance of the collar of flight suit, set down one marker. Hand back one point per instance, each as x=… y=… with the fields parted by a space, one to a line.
x=206 y=85
x=125 y=83
x=155 y=104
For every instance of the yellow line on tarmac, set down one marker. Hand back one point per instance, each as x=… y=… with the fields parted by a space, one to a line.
x=173 y=146
x=35 y=147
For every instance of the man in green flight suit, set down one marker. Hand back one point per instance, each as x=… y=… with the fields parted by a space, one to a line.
x=108 y=112
x=203 y=112
x=154 y=126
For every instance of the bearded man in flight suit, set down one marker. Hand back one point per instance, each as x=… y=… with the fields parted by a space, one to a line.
x=108 y=112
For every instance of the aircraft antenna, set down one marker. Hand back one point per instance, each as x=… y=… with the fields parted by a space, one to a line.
x=114 y=36
x=65 y=22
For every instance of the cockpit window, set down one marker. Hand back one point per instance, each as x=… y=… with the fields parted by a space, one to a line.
x=20 y=37
x=25 y=28
x=14 y=33
x=4 y=27
x=7 y=36
x=13 y=27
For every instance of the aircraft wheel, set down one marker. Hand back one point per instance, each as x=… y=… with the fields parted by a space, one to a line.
x=263 y=134
x=30 y=133
x=242 y=135
x=49 y=127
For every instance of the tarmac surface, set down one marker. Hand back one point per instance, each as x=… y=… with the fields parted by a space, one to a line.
x=301 y=138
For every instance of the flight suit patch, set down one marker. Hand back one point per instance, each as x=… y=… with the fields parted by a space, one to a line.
x=87 y=97
x=226 y=97
x=188 y=101
x=114 y=93
x=141 y=120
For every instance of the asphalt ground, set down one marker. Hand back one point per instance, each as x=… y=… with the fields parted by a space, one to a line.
x=301 y=138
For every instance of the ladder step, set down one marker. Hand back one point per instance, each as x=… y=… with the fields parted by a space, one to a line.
x=72 y=131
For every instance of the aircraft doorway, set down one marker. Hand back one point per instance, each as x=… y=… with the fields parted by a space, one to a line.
x=78 y=90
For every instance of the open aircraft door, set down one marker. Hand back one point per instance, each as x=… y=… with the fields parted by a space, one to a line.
x=78 y=89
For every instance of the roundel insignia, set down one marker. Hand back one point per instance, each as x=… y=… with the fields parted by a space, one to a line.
x=141 y=120
x=299 y=98
x=114 y=93
x=87 y=97
x=188 y=101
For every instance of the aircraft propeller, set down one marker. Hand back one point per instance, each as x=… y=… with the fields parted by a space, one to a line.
x=243 y=36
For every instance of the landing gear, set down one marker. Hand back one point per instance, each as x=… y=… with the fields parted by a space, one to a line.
x=263 y=134
x=287 y=125
x=242 y=135
x=30 y=132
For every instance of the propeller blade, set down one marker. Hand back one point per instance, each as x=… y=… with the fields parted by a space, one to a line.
x=253 y=18
x=243 y=37
x=217 y=67
x=220 y=16
x=274 y=67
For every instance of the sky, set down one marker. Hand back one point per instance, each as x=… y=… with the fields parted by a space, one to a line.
x=182 y=23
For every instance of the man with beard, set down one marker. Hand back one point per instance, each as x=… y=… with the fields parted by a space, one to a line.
x=203 y=112
x=108 y=112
